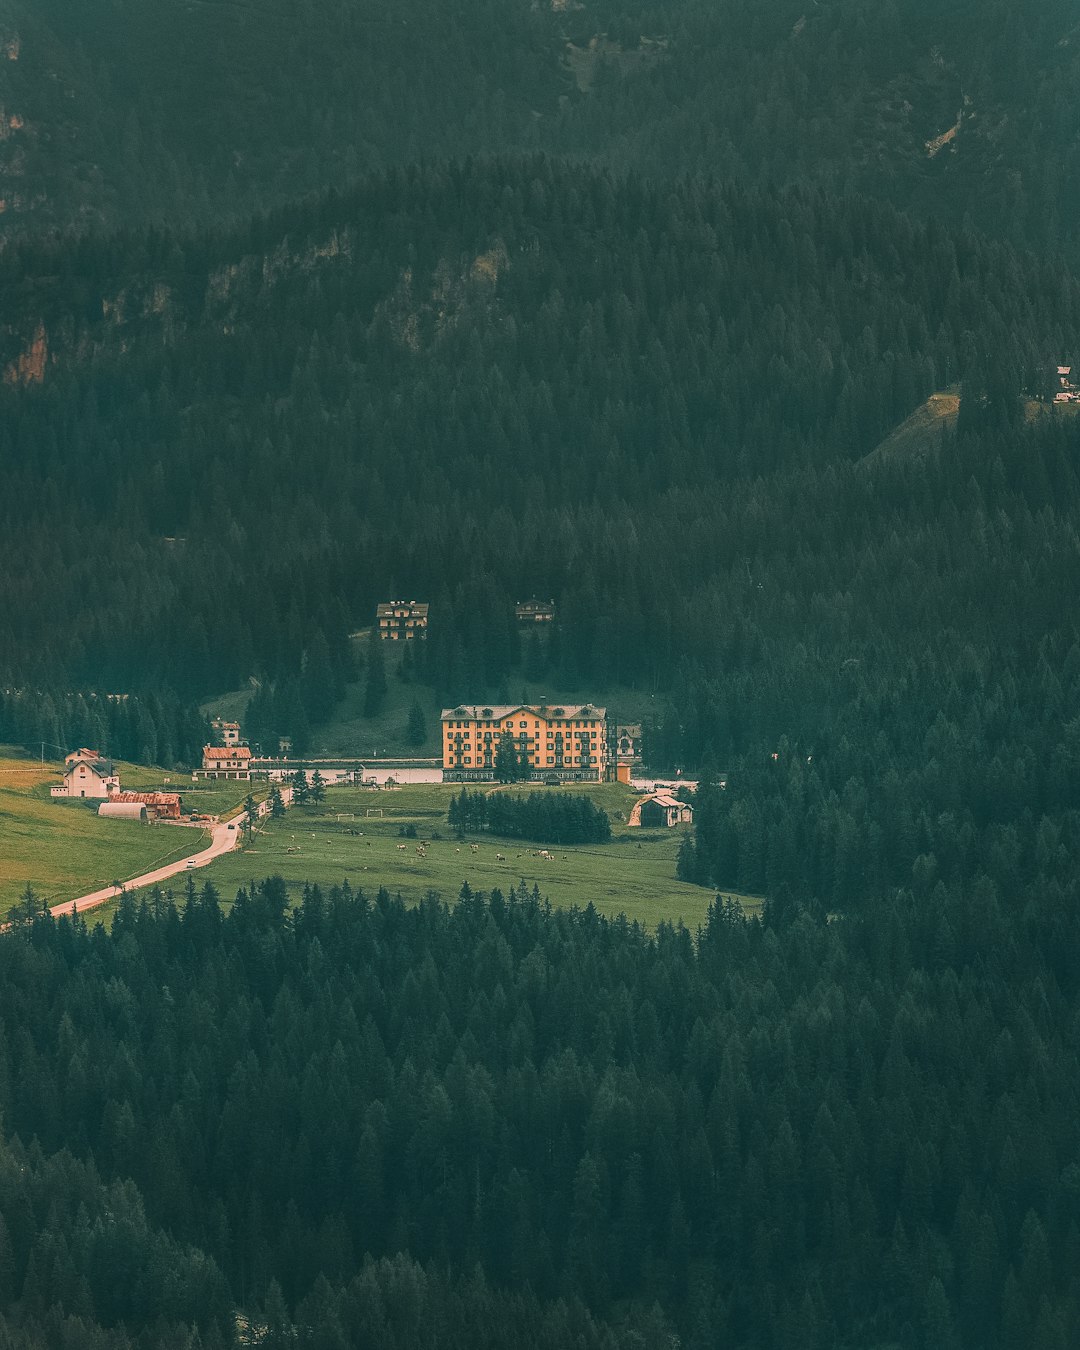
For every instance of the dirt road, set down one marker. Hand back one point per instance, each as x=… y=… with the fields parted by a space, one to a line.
x=224 y=837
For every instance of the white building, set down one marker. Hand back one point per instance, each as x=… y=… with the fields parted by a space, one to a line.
x=225 y=762
x=87 y=774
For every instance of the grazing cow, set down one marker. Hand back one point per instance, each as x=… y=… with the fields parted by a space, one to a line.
x=401 y=848
x=499 y=857
x=475 y=848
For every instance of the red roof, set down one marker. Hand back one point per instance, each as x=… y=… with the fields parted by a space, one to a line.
x=149 y=798
x=227 y=752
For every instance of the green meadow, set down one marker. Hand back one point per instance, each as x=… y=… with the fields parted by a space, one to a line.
x=355 y=836
x=63 y=848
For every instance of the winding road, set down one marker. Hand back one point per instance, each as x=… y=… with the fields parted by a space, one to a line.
x=224 y=837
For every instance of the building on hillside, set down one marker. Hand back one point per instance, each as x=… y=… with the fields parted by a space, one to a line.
x=226 y=733
x=399 y=620
x=88 y=774
x=224 y=762
x=624 y=750
x=567 y=744
x=160 y=805
x=667 y=810
x=1065 y=390
x=529 y=612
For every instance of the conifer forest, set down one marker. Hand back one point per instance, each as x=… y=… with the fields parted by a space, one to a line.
x=748 y=333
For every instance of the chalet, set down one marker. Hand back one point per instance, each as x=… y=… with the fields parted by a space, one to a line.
x=560 y=744
x=160 y=805
x=664 y=809
x=225 y=762
x=399 y=620
x=529 y=612
x=87 y=774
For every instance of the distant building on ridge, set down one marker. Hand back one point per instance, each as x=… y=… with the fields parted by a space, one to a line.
x=529 y=612
x=399 y=620
x=228 y=733
x=1065 y=390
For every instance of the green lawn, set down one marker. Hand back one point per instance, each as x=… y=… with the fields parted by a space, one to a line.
x=633 y=875
x=63 y=848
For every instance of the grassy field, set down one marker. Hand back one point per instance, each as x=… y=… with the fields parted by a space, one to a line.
x=351 y=734
x=633 y=875
x=63 y=848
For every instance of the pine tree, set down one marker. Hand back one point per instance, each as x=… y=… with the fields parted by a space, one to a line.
x=417 y=727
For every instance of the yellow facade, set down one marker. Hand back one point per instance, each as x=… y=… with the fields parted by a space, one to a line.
x=568 y=743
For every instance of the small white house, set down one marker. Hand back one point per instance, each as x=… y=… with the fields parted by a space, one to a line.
x=87 y=774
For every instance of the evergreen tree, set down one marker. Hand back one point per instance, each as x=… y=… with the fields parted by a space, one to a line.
x=417 y=726
x=301 y=788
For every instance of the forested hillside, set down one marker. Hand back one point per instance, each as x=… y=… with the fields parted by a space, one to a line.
x=165 y=111
x=496 y=1124
x=588 y=386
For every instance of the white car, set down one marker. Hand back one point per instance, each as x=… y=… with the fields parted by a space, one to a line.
x=190 y=862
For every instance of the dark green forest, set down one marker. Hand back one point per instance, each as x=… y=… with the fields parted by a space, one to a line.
x=163 y=111
x=590 y=386
x=789 y=1134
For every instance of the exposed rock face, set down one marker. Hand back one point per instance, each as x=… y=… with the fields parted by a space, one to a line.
x=29 y=366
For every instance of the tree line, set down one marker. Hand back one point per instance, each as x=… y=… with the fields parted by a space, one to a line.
x=152 y=728
x=547 y=817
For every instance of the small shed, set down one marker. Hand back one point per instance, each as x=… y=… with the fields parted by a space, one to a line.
x=162 y=805
x=124 y=811
x=664 y=809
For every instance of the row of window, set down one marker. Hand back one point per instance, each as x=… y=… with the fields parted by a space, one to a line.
x=583 y=739
x=577 y=759
x=509 y=726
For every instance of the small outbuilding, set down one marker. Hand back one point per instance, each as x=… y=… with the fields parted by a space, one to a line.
x=161 y=805
x=124 y=811
x=664 y=809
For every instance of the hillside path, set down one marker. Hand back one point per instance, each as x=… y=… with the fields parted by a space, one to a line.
x=224 y=837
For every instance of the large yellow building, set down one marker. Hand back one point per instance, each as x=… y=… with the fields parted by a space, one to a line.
x=564 y=743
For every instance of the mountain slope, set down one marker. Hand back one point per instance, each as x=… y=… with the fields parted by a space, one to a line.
x=196 y=112
x=549 y=372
